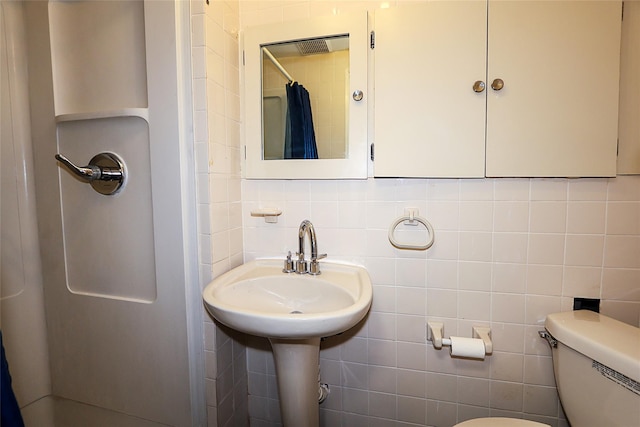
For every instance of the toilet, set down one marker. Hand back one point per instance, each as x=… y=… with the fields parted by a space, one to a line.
x=596 y=363
x=499 y=422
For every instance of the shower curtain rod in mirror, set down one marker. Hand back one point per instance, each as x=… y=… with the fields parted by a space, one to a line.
x=278 y=65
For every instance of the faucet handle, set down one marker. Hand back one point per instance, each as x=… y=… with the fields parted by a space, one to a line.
x=288 y=264
x=319 y=257
x=314 y=265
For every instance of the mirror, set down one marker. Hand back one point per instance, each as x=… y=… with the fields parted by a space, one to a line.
x=316 y=72
x=301 y=118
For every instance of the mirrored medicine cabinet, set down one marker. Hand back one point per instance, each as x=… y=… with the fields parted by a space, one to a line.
x=326 y=58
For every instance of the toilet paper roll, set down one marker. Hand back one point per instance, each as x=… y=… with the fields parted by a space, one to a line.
x=467 y=347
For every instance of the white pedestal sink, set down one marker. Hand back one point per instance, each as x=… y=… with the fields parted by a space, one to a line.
x=294 y=311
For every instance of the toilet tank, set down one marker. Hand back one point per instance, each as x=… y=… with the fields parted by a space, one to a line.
x=596 y=363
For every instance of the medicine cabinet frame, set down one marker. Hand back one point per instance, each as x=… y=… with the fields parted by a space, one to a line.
x=354 y=166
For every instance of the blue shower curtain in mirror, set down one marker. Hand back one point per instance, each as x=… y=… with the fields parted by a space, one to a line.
x=300 y=137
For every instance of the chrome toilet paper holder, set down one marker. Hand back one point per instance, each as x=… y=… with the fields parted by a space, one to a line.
x=435 y=332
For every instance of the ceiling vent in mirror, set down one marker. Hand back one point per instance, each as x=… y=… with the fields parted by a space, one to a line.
x=313 y=47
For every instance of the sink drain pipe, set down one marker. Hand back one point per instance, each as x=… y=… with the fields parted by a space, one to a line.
x=323 y=389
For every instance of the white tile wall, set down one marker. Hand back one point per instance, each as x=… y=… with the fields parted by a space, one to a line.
x=216 y=94
x=522 y=259
x=507 y=252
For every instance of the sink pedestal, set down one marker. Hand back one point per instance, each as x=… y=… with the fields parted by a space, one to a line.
x=297 y=375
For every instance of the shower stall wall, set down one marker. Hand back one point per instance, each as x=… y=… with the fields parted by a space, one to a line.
x=22 y=317
x=118 y=285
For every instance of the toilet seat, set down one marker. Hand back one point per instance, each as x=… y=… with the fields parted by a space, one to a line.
x=500 y=422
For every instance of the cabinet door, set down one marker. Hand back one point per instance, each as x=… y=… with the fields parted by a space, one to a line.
x=429 y=122
x=629 y=150
x=557 y=114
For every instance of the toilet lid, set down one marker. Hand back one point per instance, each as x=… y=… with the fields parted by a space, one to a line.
x=500 y=422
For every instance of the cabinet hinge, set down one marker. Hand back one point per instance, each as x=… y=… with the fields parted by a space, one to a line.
x=372 y=153
x=618 y=147
x=243 y=57
x=245 y=152
x=622 y=18
x=372 y=42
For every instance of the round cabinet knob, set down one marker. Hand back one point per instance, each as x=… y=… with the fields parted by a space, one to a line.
x=497 y=84
x=479 y=86
x=358 y=95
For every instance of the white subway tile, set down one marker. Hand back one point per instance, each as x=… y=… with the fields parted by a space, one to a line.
x=582 y=282
x=410 y=328
x=588 y=189
x=476 y=216
x=411 y=300
x=442 y=303
x=537 y=308
x=549 y=189
x=441 y=413
x=474 y=276
x=584 y=250
x=623 y=218
x=507 y=308
x=473 y=391
x=507 y=367
x=511 y=216
x=511 y=189
x=382 y=379
x=546 y=249
x=411 y=356
x=382 y=406
x=474 y=305
x=443 y=215
x=412 y=410
x=475 y=246
x=507 y=337
x=621 y=284
x=382 y=352
x=506 y=395
x=411 y=383
x=544 y=279
x=538 y=370
x=540 y=400
x=548 y=217
x=476 y=189
x=586 y=217
x=411 y=272
x=510 y=247
x=442 y=274
x=622 y=251
x=509 y=278
x=624 y=188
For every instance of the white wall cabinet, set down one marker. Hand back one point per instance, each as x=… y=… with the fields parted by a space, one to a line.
x=629 y=133
x=553 y=108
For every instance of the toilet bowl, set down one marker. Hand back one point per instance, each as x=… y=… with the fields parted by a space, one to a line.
x=499 y=422
x=596 y=363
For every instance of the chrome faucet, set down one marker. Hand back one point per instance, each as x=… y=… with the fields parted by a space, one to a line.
x=301 y=265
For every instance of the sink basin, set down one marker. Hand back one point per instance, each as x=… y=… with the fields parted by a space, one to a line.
x=259 y=299
x=294 y=311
